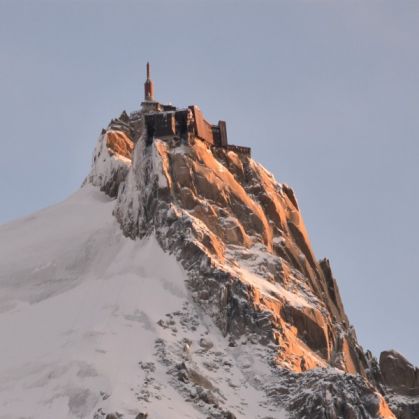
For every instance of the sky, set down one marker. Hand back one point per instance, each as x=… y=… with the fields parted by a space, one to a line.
x=325 y=92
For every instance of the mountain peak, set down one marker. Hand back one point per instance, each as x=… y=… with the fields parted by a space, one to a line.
x=179 y=282
x=239 y=235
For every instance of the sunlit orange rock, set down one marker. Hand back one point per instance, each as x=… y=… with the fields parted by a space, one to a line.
x=118 y=142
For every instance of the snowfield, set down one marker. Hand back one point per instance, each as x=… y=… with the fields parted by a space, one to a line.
x=92 y=322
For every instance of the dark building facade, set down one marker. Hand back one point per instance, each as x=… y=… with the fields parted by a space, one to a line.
x=185 y=124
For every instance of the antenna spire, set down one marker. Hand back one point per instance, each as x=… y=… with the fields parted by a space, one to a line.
x=148 y=86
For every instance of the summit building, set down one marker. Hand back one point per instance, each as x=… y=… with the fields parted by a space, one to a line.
x=169 y=123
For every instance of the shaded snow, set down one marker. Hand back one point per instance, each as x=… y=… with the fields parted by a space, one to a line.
x=108 y=294
x=79 y=310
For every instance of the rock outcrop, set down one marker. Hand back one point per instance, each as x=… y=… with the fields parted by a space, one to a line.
x=228 y=215
x=398 y=374
x=111 y=161
x=241 y=237
x=401 y=381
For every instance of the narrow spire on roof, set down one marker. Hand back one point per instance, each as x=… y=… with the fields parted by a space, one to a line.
x=148 y=86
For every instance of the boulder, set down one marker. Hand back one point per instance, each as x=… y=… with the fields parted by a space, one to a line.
x=398 y=373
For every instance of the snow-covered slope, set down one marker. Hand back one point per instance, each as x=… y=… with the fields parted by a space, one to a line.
x=91 y=320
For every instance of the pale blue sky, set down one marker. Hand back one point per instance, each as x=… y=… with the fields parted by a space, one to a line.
x=326 y=92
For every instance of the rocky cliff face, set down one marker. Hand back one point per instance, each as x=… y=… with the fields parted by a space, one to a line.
x=241 y=238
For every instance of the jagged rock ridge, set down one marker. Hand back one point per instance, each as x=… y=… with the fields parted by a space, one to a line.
x=240 y=236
